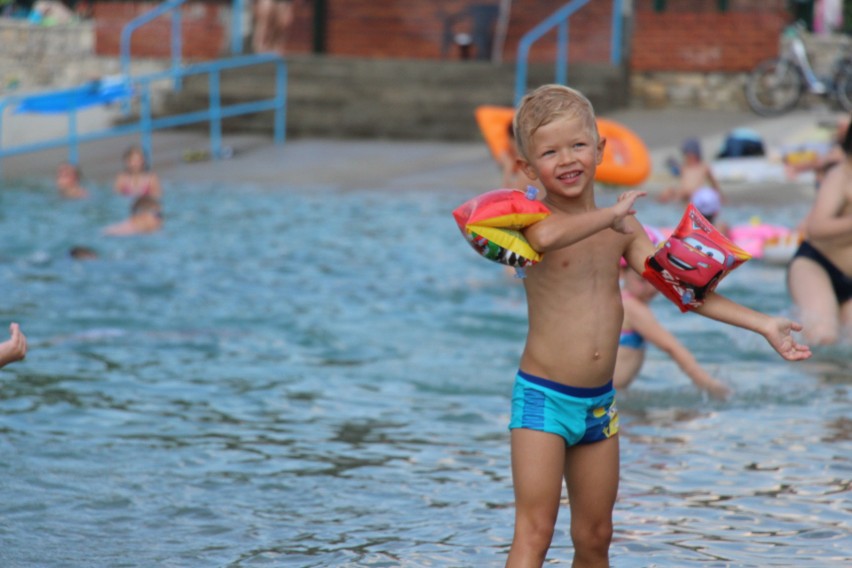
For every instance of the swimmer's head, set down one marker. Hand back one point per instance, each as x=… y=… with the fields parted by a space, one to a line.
x=67 y=174
x=82 y=253
x=134 y=159
x=691 y=147
x=146 y=204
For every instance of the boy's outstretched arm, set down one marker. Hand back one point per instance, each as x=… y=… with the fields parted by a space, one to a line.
x=560 y=229
x=778 y=331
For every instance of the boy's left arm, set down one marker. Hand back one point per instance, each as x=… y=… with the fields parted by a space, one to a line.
x=778 y=331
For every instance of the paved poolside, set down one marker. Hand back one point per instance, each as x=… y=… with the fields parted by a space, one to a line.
x=402 y=165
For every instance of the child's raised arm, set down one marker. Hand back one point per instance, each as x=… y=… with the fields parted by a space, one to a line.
x=561 y=229
x=778 y=331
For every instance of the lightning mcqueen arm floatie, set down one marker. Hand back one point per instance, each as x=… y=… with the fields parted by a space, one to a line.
x=691 y=263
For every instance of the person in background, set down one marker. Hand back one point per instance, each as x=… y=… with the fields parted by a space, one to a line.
x=137 y=180
x=641 y=327
x=68 y=178
x=82 y=253
x=272 y=20
x=146 y=216
x=14 y=348
x=819 y=278
x=696 y=184
x=821 y=162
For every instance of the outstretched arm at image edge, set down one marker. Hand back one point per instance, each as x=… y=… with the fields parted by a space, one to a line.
x=14 y=348
x=778 y=331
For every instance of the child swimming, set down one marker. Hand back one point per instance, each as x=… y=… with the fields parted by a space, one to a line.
x=136 y=180
x=146 y=216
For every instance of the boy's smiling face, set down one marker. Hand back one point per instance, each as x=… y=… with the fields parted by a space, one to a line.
x=564 y=155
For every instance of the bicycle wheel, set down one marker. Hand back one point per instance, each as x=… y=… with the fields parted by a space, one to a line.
x=843 y=85
x=774 y=87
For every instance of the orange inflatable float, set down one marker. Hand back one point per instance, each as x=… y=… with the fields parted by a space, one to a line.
x=626 y=159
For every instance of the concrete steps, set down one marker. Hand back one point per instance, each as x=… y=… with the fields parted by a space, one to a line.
x=393 y=99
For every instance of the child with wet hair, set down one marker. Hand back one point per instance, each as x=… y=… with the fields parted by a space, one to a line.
x=146 y=216
x=68 y=178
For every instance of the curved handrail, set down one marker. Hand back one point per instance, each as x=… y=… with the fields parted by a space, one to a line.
x=559 y=20
x=149 y=16
x=215 y=113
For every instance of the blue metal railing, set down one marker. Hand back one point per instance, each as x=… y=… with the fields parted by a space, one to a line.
x=559 y=20
x=147 y=123
x=172 y=7
x=175 y=38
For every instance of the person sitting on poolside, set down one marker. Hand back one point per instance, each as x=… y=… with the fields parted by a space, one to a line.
x=640 y=327
x=146 y=216
x=68 y=181
x=821 y=163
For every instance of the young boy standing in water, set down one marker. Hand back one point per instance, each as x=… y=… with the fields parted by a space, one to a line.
x=564 y=420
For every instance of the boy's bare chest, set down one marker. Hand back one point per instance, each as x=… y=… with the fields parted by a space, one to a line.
x=598 y=252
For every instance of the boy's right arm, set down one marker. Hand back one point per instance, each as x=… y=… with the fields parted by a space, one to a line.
x=778 y=331
x=560 y=230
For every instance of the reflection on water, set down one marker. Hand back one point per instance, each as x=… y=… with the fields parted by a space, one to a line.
x=323 y=380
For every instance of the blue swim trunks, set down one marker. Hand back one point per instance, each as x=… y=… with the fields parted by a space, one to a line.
x=579 y=415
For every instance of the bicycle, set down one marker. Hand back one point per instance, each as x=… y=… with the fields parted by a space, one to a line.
x=776 y=85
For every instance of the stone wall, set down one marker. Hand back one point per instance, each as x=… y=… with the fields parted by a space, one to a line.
x=33 y=56
x=724 y=90
x=36 y=58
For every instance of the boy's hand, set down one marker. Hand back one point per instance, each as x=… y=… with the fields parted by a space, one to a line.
x=779 y=334
x=623 y=208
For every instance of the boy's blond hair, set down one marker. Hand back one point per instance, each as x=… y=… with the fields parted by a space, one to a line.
x=546 y=104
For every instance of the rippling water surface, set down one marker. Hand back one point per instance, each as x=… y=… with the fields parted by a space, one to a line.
x=323 y=379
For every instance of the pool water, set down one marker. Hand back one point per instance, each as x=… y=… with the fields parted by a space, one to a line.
x=322 y=379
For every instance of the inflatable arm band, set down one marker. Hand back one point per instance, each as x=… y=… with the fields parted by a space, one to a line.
x=691 y=263
x=492 y=224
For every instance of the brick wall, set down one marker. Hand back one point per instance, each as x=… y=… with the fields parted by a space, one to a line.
x=366 y=28
x=694 y=36
x=413 y=28
x=687 y=36
x=205 y=28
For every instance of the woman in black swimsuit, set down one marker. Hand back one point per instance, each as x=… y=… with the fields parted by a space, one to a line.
x=819 y=278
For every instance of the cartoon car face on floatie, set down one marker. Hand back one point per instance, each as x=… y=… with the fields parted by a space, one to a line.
x=695 y=260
